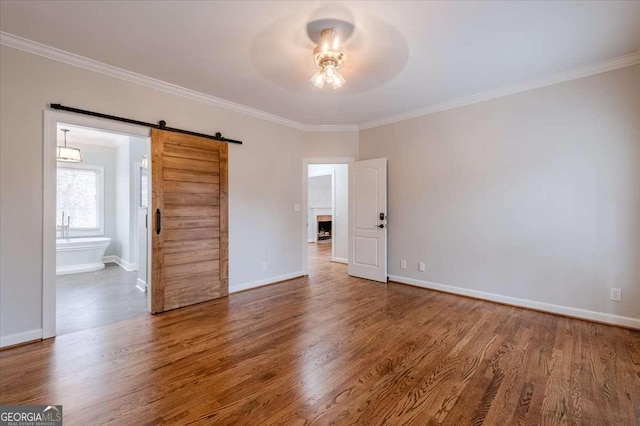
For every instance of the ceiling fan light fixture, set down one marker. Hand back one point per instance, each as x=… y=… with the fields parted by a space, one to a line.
x=338 y=80
x=318 y=79
x=328 y=59
x=336 y=43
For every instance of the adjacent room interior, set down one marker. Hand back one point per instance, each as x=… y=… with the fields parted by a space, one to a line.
x=102 y=198
x=327 y=213
x=285 y=212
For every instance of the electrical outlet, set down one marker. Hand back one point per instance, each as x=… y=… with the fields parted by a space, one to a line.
x=615 y=294
x=422 y=267
x=264 y=266
x=403 y=264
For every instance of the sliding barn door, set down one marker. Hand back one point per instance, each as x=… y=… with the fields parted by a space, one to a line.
x=189 y=216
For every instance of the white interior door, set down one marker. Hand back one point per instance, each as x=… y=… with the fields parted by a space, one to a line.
x=368 y=219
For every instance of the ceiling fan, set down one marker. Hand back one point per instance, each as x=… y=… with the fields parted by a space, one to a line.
x=333 y=46
x=328 y=56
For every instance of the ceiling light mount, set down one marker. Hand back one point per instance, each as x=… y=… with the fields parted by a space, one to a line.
x=328 y=58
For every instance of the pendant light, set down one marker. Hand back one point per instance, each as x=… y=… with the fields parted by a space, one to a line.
x=68 y=154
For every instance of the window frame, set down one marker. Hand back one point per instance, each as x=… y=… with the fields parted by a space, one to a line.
x=87 y=232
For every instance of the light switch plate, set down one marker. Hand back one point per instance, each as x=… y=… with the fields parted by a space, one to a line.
x=422 y=267
x=296 y=207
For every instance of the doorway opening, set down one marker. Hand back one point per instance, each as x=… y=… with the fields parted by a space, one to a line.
x=327 y=203
x=96 y=236
x=102 y=196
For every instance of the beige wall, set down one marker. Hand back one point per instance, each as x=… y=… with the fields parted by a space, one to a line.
x=534 y=195
x=330 y=144
x=264 y=175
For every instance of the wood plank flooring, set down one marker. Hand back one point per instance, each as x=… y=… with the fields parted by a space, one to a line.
x=331 y=349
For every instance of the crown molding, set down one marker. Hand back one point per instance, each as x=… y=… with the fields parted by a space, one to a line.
x=331 y=128
x=59 y=55
x=574 y=74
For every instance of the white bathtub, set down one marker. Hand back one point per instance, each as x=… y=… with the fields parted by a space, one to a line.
x=80 y=255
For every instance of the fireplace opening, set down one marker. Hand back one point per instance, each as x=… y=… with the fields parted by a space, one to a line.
x=324 y=227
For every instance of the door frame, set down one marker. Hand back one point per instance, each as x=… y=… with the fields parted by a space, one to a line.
x=305 y=208
x=51 y=119
x=137 y=165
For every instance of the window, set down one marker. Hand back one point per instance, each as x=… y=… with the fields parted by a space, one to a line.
x=80 y=197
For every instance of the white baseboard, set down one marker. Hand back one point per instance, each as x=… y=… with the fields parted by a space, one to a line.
x=525 y=303
x=266 y=281
x=127 y=266
x=340 y=260
x=25 y=336
x=141 y=285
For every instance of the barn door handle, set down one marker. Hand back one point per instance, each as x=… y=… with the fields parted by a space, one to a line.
x=158 y=221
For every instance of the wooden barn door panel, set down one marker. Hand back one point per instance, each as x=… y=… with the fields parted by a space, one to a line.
x=190 y=220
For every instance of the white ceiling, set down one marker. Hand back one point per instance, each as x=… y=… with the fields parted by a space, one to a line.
x=401 y=57
x=89 y=136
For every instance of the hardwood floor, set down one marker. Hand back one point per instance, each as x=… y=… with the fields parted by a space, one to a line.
x=93 y=299
x=335 y=349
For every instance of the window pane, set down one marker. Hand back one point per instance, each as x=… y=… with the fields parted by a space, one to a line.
x=77 y=196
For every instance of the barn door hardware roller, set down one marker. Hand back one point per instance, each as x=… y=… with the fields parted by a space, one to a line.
x=162 y=125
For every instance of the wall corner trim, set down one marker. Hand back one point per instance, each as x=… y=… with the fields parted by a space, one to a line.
x=525 y=86
x=567 y=311
x=330 y=127
x=46 y=51
x=141 y=285
x=17 y=338
x=266 y=281
x=127 y=266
